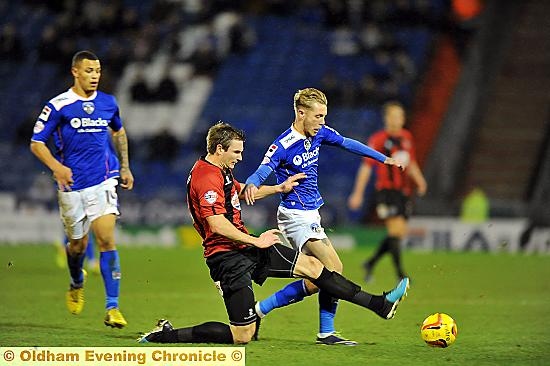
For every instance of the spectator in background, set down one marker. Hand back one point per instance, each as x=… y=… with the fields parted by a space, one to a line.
x=393 y=186
x=11 y=47
x=48 y=46
x=205 y=60
x=139 y=90
x=369 y=94
x=475 y=206
x=163 y=146
x=372 y=37
x=331 y=85
x=167 y=90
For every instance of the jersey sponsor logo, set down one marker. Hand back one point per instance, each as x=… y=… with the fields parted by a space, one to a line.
x=402 y=156
x=235 y=202
x=45 y=114
x=271 y=150
x=304 y=157
x=38 y=127
x=289 y=140
x=88 y=122
x=88 y=107
x=210 y=197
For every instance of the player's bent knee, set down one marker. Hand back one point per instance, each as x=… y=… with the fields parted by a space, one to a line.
x=243 y=334
x=308 y=266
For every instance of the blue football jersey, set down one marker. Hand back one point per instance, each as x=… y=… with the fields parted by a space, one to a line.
x=80 y=129
x=293 y=153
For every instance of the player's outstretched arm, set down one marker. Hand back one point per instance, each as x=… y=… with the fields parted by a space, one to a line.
x=359 y=148
x=255 y=181
x=63 y=175
x=264 y=191
x=120 y=141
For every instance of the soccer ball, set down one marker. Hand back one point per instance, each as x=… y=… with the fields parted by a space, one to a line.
x=439 y=330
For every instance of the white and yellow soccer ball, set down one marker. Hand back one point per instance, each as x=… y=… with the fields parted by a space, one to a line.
x=439 y=330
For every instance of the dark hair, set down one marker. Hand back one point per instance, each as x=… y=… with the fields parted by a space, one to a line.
x=83 y=55
x=222 y=134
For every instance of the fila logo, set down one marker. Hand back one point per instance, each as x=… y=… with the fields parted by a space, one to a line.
x=227 y=180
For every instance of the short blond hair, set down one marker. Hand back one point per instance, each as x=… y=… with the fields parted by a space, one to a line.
x=392 y=104
x=306 y=97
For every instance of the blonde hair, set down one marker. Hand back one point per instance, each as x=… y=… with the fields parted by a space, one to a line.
x=392 y=104
x=222 y=134
x=306 y=97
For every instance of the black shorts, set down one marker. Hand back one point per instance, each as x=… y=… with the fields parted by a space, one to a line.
x=391 y=203
x=234 y=271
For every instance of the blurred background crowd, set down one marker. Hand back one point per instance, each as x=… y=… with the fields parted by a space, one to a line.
x=472 y=74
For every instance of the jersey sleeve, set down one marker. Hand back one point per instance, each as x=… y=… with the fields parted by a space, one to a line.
x=209 y=190
x=274 y=156
x=331 y=136
x=272 y=159
x=45 y=125
x=373 y=143
x=116 y=121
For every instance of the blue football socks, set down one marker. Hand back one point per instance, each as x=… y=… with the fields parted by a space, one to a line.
x=327 y=312
x=109 y=264
x=291 y=293
x=75 y=263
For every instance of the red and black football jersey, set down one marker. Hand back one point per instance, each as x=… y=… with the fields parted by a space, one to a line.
x=213 y=191
x=399 y=147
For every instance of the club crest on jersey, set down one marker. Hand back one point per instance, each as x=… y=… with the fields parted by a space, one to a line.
x=88 y=107
x=211 y=197
x=315 y=227
x=307 y=144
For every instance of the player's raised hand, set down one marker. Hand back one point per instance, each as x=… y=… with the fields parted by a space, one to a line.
x=63 y=175
x=291 y=182
x=249 y=193
x=269 y=238
x=126 y=179
x=394 y=162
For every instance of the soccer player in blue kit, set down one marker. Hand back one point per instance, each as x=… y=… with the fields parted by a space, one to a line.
x=85 y=167
x=297 y=150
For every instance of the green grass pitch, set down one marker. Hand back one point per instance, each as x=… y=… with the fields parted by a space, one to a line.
x=500 y=302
